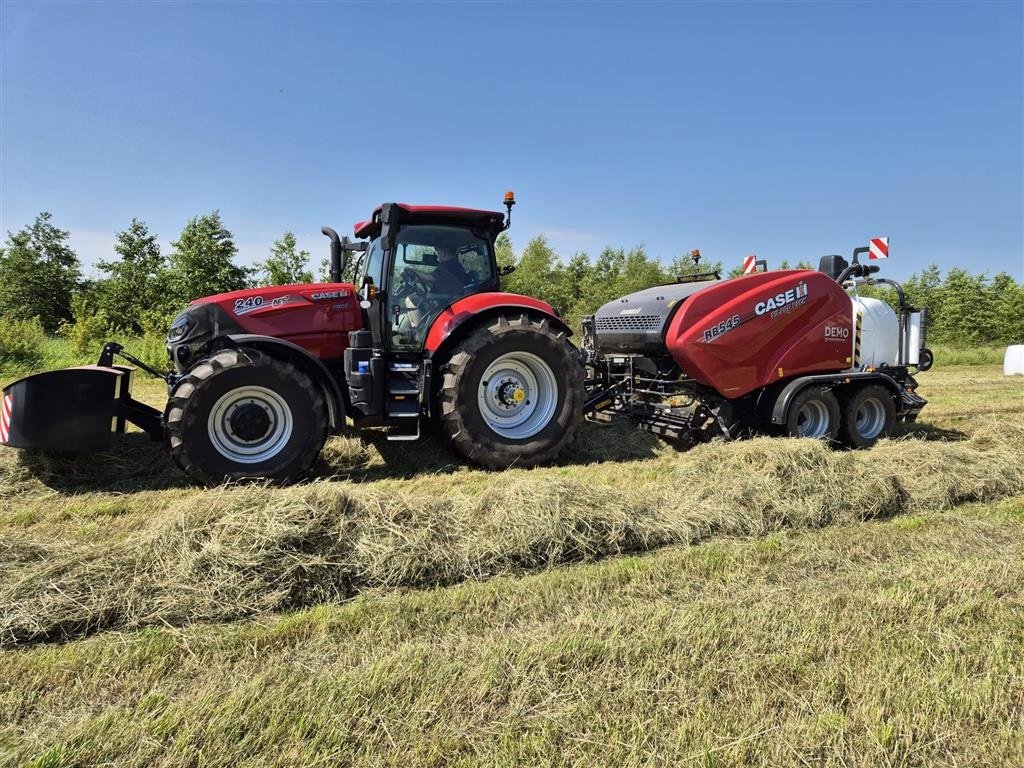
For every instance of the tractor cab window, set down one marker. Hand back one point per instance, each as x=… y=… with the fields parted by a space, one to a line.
x=433 y=266
x=372 y=264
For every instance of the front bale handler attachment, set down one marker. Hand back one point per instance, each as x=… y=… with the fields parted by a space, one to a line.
x=76 y=409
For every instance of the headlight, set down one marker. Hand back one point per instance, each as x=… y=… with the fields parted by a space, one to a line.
x=179 y=328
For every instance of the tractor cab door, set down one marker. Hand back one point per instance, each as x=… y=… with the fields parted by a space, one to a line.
x=432 y=266
x=373 y=269
x=410 y=274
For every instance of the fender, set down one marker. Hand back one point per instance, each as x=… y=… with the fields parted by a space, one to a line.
x=790 y=390
x=485 y=304
x=300 y=358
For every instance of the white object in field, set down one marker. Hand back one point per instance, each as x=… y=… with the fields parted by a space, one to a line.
x=912 y=354
x=879 y=333
x=1013 y=360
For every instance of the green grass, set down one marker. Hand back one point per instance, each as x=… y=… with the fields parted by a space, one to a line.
x=861 y=645
x=946 y=354
x=767 y=602
x=58 y=352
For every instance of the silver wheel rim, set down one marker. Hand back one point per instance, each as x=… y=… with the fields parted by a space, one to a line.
x=870 y=418
x=812 y=419
x=517 y=395
x=250 y=451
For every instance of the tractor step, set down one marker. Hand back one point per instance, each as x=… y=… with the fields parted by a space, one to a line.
x=397 y=432
x=402 y=395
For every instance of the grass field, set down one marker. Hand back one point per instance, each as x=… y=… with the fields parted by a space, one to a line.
x=769 y=602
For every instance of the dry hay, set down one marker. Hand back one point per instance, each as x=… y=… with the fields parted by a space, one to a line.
x=241 y=551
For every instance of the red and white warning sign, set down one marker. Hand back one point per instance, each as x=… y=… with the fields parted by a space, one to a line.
x=5 y=418
x=879 y=248
x=749 y=265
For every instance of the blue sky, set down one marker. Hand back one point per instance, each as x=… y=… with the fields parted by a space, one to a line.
x=785 y=130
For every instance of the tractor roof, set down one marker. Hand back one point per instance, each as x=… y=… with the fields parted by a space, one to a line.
x=432 y=214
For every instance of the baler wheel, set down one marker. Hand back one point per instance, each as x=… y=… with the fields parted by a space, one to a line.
x=511 y=393
x=242 y=414
x=868 y=415
x=813 y=413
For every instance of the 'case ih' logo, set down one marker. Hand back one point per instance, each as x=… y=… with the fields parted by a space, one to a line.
x=325 y=295
x=780 y=300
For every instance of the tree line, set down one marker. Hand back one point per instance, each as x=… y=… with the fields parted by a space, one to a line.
x=140 y=288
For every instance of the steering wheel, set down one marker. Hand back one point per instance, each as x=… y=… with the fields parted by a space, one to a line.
x=413 y=282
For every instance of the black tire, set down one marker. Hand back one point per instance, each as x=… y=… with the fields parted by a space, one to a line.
x=869 y=414
x=813 y=413
x=467 y=429
x=294 y=419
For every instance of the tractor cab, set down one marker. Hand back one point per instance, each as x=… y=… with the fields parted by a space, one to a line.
x=423 y=262
x=418 y=267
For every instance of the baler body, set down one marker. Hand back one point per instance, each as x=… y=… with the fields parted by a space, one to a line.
x=739 y=335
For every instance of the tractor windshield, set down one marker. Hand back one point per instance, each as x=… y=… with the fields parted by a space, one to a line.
x=433 y=266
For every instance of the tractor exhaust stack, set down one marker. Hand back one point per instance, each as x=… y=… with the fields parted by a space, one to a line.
x=335 y=253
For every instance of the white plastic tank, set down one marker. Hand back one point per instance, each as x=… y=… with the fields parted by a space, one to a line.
x=1013 y=360
x=879 y=334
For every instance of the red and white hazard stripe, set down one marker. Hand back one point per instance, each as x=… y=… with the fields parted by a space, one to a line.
x=5 y=418
x=879 y=248
x=749 y=265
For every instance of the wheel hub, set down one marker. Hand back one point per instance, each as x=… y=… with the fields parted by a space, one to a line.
x=812 y=420
x=249 y=422
x=510 y=393
x=870 y=418
x=518 y=395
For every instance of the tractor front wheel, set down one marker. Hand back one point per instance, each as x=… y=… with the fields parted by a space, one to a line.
x=241 y=414
x=511 y=394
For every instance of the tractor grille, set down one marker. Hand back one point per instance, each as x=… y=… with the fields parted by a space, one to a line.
x=629 y=323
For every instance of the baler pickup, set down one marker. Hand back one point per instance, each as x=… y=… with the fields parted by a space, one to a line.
x=73 y=409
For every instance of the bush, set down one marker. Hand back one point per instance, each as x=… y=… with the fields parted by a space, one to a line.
x=21 y=344
x=89 y=330
x=150 y=349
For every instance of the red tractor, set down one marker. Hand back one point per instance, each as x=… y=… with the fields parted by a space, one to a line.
x=261 y=377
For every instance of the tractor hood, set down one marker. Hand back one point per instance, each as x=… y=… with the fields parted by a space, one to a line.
x=636 y=323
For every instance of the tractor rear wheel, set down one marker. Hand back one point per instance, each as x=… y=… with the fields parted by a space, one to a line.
x=241 y=414
x=813 y=413
x=868 y=415
x=511 y=394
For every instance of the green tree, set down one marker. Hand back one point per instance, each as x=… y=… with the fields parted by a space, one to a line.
x=503 y=252
x=1007 y=305
x=923 y=289
x=38 y=274
x=962 y=312
x=133 y=295
x=533 y=275
x=286 y=264
x=201 y=263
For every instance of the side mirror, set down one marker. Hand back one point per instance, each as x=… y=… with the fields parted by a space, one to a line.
x=368 y=292
x=507 y=270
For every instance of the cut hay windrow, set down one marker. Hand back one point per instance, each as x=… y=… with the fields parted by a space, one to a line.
x=242 y=551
